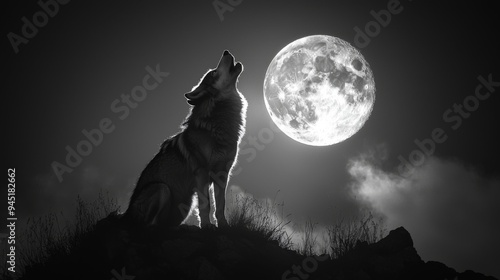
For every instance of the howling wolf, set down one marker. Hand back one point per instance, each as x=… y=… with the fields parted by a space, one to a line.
x=201 y=154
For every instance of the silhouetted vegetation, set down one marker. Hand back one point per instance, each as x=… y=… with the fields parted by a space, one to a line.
x=100 y=245
x=251 y=214
x=309 y=239
x=51 y=239
x=345 y=234
x=341 y=237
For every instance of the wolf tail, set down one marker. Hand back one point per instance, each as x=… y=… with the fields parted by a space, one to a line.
x=152 y=205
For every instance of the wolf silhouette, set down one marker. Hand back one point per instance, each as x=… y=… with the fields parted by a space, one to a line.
x=201 y=154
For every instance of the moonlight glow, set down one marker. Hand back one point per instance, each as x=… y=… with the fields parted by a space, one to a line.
x=319 y=90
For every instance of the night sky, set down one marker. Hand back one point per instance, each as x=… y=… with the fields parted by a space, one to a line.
x=436 y=74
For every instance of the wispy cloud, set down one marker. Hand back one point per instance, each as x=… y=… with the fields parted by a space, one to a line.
x=451 y=210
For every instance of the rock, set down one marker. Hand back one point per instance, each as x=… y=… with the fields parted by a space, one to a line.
x=471 y=275
x=437 y=270
x=398 y=240
x=389 y=258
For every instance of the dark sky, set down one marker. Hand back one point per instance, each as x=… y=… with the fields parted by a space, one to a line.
x=425 y=60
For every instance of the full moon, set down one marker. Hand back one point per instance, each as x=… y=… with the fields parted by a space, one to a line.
x=319 y=90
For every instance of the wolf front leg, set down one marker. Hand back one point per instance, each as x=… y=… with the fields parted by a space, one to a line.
x=220 y=179
x=202 y=185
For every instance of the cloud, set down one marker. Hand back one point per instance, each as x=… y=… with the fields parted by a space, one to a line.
x=450 y=209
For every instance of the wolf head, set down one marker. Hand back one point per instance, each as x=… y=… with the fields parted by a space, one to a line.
x=218 y=83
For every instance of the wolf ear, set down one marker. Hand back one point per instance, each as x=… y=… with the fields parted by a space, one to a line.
x=196 y=95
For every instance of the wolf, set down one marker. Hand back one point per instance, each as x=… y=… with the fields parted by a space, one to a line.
x=202 y=154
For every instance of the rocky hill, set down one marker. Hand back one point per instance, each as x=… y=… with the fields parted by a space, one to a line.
x=112 y=251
